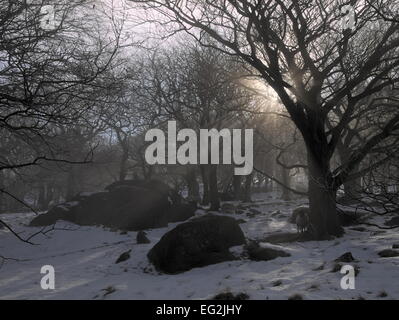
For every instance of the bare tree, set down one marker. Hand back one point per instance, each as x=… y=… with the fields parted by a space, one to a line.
x=299 y=48
x=198 y=88
x=51 y=70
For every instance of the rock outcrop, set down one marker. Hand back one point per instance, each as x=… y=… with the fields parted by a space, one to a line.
x=197 y=243
x=127 y=205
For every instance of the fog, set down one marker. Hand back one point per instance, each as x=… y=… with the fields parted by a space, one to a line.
x=285 y=137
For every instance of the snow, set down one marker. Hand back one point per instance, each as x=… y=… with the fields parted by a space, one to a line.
x=84 y=261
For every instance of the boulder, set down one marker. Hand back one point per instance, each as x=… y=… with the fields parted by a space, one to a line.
x=346 y=257
x=181 y=211
x=123 y=257
x=65 y=211
x=241 y=221
x=295 y=296
x=283 y=237
x=258 y=253
x=388 y=253
x=202 y=241
x=141 y=238
x=128 y=205
x=392 y=222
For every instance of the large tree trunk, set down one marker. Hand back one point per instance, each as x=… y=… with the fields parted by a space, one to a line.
x=322 y=201
x=213 y=188
x=322 y=190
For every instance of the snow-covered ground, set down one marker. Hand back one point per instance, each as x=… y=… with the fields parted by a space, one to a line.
x=84 y=261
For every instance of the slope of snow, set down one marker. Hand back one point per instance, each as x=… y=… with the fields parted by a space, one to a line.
x=84 y=261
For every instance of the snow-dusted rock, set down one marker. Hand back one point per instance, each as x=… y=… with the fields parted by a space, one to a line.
x=128 y=205
x=199 y=242
x=388 y=253
x=259 y=253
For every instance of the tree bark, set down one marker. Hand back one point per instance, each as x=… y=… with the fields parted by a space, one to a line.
x=322 y=188
x=322 y=201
